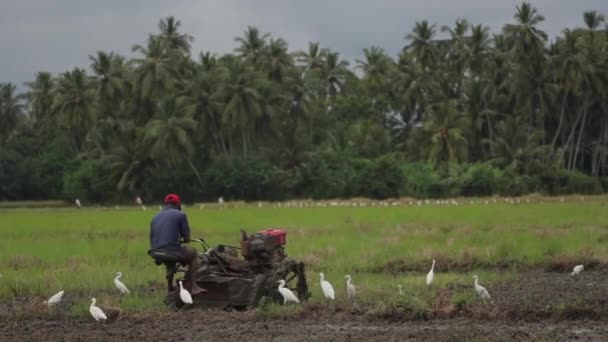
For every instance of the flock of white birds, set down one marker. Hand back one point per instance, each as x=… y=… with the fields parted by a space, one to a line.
x=352 y=203
x=330 y=294
x=288 y=296
x=326 y=287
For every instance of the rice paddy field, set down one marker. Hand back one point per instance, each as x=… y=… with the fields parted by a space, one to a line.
x=523 y=251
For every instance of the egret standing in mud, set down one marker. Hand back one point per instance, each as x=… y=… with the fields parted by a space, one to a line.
x=430 y=275
x=184 y=295
x=119 y=285
x=55 y=299
x=350 y=288
x=288 y=295
x=328 y=290
x=96 y=312
x=481 y=291
x=577 y=269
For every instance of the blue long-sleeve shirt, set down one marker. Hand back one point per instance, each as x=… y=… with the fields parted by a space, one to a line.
x=167 y=228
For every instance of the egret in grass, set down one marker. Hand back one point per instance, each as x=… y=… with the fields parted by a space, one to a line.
x=481 y=291
x=96 y=312
x=350 y=287
x=55 y=299
x=328 y=290
x=430 y=275
x=138 y=201
x=184 y=295
x=577 y=269
x=78 y=204
x=400 y=289
x=288 y=295
x=119 y=284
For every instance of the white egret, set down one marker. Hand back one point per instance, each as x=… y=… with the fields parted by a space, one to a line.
x=577 y=269
x=119 y=285
x=96 y=312
x=55 y=299
x=78 y=204
x=351 y=291
x=288 y=295
x=139 y=201
x=400 y=289
x=328 y=290
x=430 y=275
x=184 y=295
x=220 y=200
x=481 y=291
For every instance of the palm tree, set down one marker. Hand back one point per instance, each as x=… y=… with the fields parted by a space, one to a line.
x=277 y=61
x=74 y=104
x=446 y=127
x=170 y=36
x=421 y=43
x=376 y=69
x=153 y=72
x=516 y=148
x=169 y=134
x=252 y=44
x=313 y=59
x=110 y=71
x=40 y=96
x=201 y=105
x=241 y=98
x=333 y=72
x=525 y=37
x=11 y=110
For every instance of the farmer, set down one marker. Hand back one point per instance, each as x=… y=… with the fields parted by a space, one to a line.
x=170 y=227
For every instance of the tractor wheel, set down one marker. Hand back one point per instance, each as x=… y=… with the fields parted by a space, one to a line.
x=295 y=279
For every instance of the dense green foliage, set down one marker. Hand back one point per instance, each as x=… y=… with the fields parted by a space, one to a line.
x=472 y=114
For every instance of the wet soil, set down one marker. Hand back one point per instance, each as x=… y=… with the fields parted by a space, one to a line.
x=204 y=326
x=540 y=305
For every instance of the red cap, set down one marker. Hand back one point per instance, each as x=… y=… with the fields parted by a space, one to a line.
x=172 y=198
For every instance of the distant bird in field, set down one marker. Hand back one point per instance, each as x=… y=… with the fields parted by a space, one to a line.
x=400 y=289
x=184 y=295
x=119 y=284
x=481 y=291
x=577 y=269
x=430 y=275
x=328 y=290
x=139 y=201
x=220 y=200
x=288 y=295
x=78 y=204
x=351 y=291
x=55 y=299
x=96 y=312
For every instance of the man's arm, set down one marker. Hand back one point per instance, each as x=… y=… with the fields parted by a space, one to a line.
x=184 y=229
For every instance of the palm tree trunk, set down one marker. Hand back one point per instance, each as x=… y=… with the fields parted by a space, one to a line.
x=578 y=142
x=570 y=137
x=243 y=133
x=559 y=125
x=198 y=176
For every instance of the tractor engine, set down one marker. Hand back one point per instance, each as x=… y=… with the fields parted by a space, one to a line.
x=264 y=248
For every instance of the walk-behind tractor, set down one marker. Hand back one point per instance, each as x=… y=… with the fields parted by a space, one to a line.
x=236 y=280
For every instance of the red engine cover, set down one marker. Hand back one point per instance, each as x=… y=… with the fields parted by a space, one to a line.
x=279 y=234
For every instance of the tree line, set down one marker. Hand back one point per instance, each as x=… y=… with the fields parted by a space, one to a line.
x=473 y=114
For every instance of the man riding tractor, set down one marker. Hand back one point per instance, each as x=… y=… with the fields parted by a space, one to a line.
x=167 y=229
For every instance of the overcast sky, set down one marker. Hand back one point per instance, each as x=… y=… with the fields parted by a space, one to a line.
x=57 y=35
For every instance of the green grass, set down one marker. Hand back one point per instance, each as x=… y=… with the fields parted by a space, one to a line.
x=45 y=250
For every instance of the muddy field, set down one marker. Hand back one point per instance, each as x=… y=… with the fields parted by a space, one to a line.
x=200 y=326
x=542 y=305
